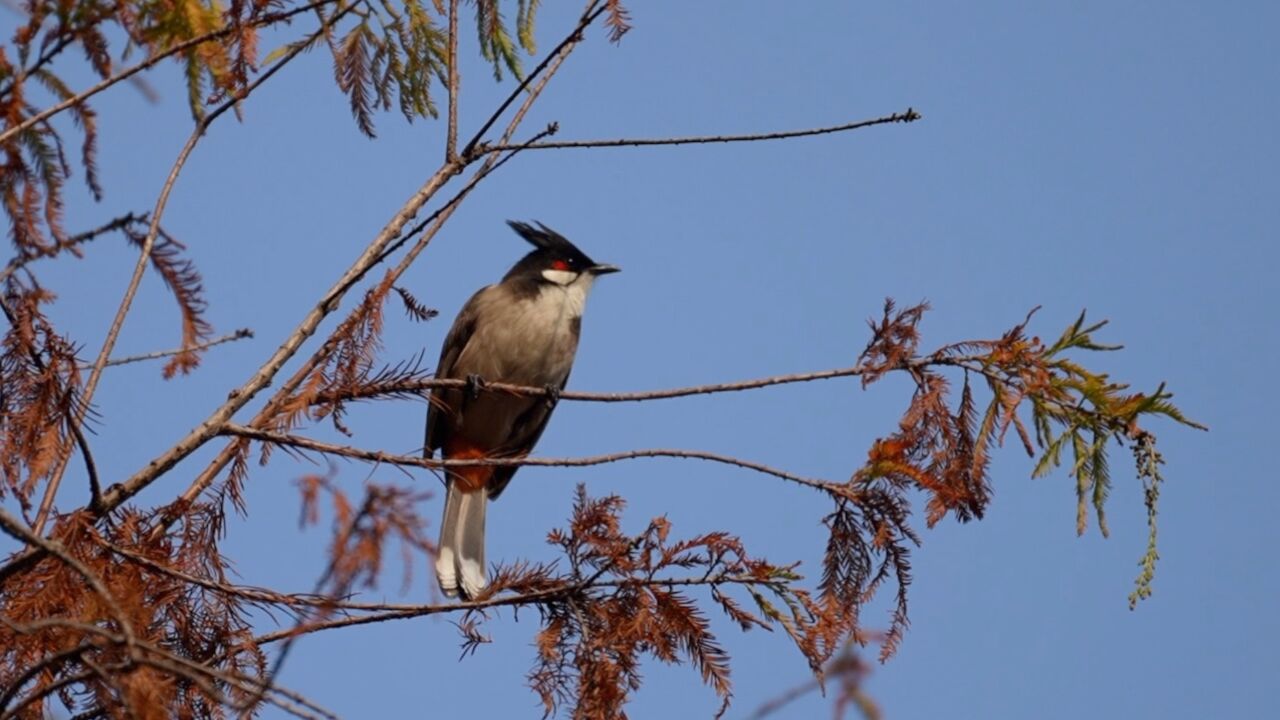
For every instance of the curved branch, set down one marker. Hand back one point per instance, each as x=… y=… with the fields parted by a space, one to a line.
x=376 y=389
x=909 y=115
x=412 y=386
x=378 y=456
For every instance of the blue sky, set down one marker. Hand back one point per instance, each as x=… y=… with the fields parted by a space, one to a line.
x=1118 y=157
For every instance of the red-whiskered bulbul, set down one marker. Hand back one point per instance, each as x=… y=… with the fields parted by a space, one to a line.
x=524 y=331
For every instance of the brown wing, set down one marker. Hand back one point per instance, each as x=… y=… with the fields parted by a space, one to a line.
x=524 y=435
x=442 y=402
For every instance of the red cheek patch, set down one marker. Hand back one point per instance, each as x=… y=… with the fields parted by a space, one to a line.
x=560 y=265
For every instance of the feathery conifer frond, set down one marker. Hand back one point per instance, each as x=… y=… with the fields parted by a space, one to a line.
x=39 y=392
x=353 y=71
x=183 y=280
x=617 y=19
x=413 y=308
x=614 y=607
x=496 y=44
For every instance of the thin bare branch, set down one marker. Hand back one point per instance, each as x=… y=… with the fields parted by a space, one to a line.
x=451 y=142
x=252 y=594
x=72 y=242
x=419 y=386
x=240 y=334
x=403 y=612
x=378 y=456
x=907 y=116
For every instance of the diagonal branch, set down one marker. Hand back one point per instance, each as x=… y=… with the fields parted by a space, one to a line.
x=907 y=116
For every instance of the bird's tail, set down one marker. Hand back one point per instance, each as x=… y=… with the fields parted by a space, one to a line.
x=460 y=564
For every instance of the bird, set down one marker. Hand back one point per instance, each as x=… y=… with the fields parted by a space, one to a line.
x=522 y=330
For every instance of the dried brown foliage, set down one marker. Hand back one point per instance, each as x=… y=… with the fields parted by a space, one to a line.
x=183 y=280
x=361 y=533
x=147 y=640
x=111 y=610
x=39 y=398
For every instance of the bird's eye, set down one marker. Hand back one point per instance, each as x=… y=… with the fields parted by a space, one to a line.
x=560 y=265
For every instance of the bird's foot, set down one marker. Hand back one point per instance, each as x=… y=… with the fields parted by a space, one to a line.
x=553 y=395
x=475 y=384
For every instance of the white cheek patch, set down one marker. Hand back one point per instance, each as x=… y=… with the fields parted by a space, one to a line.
x=560 y=277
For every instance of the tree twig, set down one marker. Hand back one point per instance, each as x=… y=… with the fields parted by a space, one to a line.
x=907 y=116
x=240 y=334
x=402 y=612
x=418 y=386
x=451 y=140
x=378 y=456
x=72 y=242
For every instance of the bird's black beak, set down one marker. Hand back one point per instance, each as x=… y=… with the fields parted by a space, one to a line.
x=604 y=269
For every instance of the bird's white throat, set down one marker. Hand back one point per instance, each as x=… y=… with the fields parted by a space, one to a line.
x=569 y=287
x=561 y=277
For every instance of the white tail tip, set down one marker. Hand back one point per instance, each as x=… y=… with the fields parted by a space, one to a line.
x=473 y=579
x=446 y=572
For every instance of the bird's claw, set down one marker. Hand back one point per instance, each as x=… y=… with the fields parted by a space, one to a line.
x=553 y=395
x=475 y=384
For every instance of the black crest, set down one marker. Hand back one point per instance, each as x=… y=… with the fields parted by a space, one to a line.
x=543 y=237
x=549 y=244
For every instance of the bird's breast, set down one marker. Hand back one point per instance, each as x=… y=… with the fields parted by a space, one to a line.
x=534 y=339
